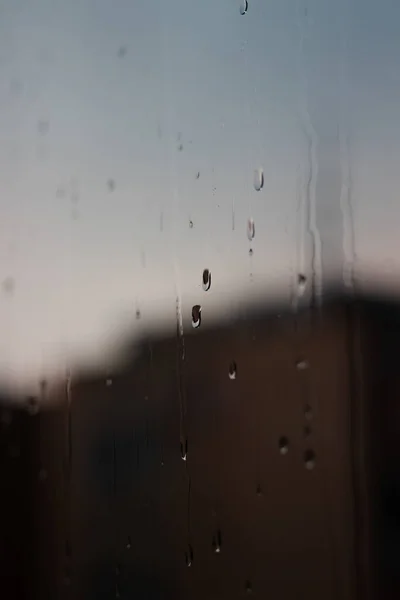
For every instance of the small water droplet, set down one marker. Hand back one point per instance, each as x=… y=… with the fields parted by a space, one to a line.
x=232 y=370
x=32 y=405
x=196 y=316
x=8 y=285
x=206 y=280
x=244 y=6
x=111 y=185
x=191 y=224
x=301 y=284
x=283 y=445
x=109 y=382
x=138 y=314
x=258 y=180
x=259 y=490
x=248 y=586
x=180 y=147
x=251 y=230
x=189 y=556
x=308 y=414
x=302 y=365
x=184 y=450
x=42 y=475
x=198 y=175
x=122 y=51
x=251 y=252
x=217 y=542
x=129 y=543
x=309 y=459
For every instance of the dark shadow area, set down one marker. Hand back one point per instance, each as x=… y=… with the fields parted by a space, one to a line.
x=259 y=457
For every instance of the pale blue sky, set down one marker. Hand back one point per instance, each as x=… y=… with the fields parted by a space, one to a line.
x=150 y=93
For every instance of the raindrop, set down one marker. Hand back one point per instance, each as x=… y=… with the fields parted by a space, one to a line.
x=302 y=365
x=217 y=542
x=259 y=490
x=196 y=316
x=308 y=414
x=191 y=224
x=251 y=252
x=198 y=175
x=232 y=370
x=180 y=147
x=109 y=382
x=138 y=315
x=309 y=459
x=129 y=543
x=206 y=280
x=122 y=51
x=248 y=586
x=32 y=405
x=189 y=556
x=8 y=285
x=250 y=229
x=301 y=284
x=283 y=445
x=184 y=450
x=111 y=185
x=244 y=6
x=258 y=180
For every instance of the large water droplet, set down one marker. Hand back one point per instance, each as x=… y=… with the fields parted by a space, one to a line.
x=301 y=284
x=244 y=6
x=309 y=459
x=196 y=316
x=258 y=180
x=189 y=556
x=217 y=542
x=206 y=280
x=283 y=445
x=232 y=370
x=184 y=450
x=251 y=230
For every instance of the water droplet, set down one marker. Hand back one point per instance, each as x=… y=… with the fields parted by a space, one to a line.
x=309 y=459
x=122 y=51
x=191 y=224
x=198 y=175
x=251 y=252
x=8 y=285
x=111 y=185
x=244 y=6
x=248 y=586
x=283 y=445
x=258 y=180
x=184 y=450
x=43 y=127
x=206 y=280
x=42 y=475
x=232 y=370
x=196 y=316
x=250 y=229
x=308 y=414
x=109 y=382
x=301 y=284
x=32 y=405
x=138 y=314
x=217 y=542
x=180 y=147
x=259 y=490
x=129 y=543
x=189 y=556
x=302 y=365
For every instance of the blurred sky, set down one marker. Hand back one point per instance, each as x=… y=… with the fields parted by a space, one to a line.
x=122 y=122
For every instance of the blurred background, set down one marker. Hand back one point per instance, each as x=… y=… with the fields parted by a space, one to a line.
x=198 y=255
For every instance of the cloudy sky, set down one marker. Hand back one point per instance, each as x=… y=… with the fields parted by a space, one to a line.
x=130 y=132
